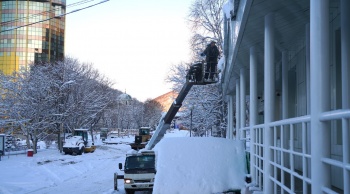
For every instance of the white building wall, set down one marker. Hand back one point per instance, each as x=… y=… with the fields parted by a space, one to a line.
x=304 y=148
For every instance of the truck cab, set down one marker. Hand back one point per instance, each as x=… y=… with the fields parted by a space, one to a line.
x=139 y=171
x=142 y=138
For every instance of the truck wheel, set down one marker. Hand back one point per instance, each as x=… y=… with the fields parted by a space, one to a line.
x=81 y=150
x=129 y=191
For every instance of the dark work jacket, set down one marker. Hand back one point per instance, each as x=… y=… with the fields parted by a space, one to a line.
x=211 y=53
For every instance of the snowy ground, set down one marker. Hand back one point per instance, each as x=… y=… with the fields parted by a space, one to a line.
x=51 y=172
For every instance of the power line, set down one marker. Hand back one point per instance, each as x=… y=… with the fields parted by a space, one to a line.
x=44 y=12
x=61 y=15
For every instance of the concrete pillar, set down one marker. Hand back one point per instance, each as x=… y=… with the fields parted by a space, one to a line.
x=238 y=119
x=253 y=108
x=269 y=95
x=320 y=93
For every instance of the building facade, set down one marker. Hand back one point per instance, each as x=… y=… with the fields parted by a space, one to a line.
x=31 y=31
x=292 y=59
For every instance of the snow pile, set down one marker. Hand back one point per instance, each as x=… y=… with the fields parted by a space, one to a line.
x=199 y=165
x=177 y=133
x=72 y=141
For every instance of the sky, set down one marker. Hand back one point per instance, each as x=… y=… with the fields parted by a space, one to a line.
x=185 y=165
x=131 y=42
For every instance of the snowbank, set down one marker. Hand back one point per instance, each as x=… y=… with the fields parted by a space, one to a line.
x=177 y=133
x=199 y=165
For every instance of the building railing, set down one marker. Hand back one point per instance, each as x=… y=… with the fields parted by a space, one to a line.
x=291 y=153
x=284 y=153
x=343 y=165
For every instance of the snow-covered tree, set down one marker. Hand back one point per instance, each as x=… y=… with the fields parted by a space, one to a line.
x=51 y=96
x=88 y=98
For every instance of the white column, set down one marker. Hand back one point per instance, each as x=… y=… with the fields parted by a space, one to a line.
x=320 y=92
x=269 y=95
x=237 y=110
x=308 y=101
x=307 y=64
x=345 y=50
x=345 y=63
x=285 y=99
x=230 y=117
x=253 y=108
x=242 y=100
x=285 y=83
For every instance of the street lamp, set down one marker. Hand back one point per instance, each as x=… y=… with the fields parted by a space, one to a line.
x=191 y=108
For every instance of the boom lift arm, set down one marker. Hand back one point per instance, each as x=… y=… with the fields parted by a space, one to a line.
x=195 y=76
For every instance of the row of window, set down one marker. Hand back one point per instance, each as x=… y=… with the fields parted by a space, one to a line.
x=24 y=4
x=3 y=46
x=55 y=11
x=9 y=17
x=20 y=41
x=37 y=32
x=30 y=33
x=21 y=61
x=21 y=55
x=33 y=49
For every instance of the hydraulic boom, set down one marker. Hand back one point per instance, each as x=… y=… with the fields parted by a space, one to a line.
x=195 y=76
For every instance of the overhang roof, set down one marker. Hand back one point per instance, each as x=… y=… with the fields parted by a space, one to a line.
x=291 y=19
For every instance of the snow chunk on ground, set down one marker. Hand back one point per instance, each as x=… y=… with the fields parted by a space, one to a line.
x=199 y=165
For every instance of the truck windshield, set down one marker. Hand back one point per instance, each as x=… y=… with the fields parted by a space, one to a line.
x=139 y=162
x=144 y=132
x=82 y=134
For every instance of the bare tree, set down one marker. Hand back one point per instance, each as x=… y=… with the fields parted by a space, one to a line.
x=208 y=109
x=152 y=113
x=205 y=20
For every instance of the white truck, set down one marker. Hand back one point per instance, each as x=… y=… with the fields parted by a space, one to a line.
x=78 y=143
x=139 y=172
x=138 y=175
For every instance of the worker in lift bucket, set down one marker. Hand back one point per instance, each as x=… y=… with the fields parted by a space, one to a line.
x=211 y=54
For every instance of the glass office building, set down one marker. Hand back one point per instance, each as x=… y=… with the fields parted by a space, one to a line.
x=31 y=32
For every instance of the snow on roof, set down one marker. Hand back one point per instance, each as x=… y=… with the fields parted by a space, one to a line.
x=199 y=165
x=226 y=8
x=81 y=129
